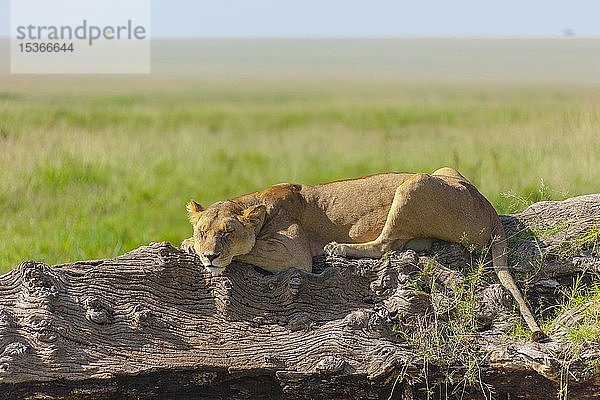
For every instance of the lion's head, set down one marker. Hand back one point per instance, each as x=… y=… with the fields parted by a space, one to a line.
x=224 y=230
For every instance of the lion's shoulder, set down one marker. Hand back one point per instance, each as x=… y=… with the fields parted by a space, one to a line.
x=282 y=195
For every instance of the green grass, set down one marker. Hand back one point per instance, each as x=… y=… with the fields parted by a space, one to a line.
x=92 y=173
x=586 y=300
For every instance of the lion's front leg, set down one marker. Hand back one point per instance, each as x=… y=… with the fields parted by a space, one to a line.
x=286 y=248
x=188 y=245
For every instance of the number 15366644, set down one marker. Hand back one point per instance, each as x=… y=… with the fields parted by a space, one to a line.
x=45 y=47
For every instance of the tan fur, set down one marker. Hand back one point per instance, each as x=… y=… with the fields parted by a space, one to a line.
x=286 y=225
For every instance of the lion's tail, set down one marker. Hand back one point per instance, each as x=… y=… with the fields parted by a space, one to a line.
x=500 y=262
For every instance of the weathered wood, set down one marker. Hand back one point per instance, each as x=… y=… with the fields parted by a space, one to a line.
x=154 y=323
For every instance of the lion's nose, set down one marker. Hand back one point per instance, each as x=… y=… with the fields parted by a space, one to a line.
x=211 y=256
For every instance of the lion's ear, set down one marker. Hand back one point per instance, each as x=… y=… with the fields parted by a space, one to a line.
x=194 y=209
x=254 y=215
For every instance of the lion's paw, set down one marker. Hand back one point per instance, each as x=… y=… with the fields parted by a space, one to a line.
x=188 y=245
x=335 y=249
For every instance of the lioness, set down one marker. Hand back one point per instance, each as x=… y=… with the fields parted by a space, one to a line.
x=287 y=225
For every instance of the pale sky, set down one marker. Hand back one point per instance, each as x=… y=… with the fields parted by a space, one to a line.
x=373 y=18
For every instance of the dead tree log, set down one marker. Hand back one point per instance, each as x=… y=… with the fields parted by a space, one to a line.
x=153 y=323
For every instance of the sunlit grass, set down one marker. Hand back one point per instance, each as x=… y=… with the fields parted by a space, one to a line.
x=91 y=175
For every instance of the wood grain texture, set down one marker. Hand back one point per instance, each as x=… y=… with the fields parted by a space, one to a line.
x=153 y=323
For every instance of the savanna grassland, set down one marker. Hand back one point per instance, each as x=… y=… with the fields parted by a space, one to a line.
x=93 y=166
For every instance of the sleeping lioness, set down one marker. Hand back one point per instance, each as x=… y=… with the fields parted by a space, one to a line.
x=287 y=225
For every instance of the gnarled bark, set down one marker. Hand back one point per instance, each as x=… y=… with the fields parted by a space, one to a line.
x=154 y=323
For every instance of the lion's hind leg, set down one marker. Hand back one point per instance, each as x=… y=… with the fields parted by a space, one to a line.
x=395 y=233
x=372 y=249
